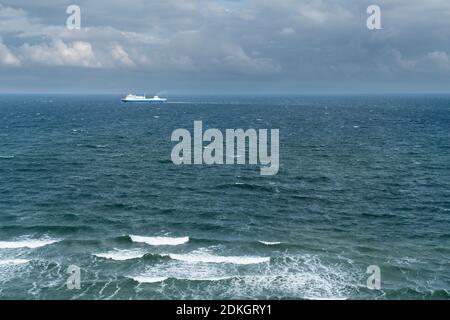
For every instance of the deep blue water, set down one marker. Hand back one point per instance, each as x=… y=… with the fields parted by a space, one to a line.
x=363 y=180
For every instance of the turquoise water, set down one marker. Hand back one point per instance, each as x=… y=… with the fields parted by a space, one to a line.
x=88 y=181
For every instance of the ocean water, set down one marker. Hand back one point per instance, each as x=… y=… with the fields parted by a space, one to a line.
x=88 y=181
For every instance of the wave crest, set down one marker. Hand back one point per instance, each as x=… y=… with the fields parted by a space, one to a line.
x=29 y=243
x=208 y=258
x=269 y=243
x=148 y=279
x=13 y=262
x=120 y=255
x=160 y=241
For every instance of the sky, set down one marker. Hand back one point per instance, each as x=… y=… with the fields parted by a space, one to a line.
x=225 y=46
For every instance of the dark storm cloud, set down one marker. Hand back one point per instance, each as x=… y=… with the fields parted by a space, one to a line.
x=254 y=45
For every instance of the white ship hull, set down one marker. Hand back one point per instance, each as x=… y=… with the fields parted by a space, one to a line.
x=143 y=99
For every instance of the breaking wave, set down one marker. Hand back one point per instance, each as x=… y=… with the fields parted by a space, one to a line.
x=148 y=279
x=269 y=243
x=160 y=241
x=209 y=258
x=13 y=262
x=121 y=255
x=29 y=243
x=153 y=279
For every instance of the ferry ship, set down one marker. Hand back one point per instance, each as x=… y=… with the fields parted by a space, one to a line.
x=136 y=98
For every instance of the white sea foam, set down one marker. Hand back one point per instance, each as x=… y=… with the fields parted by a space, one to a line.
x=6 y=157
x=121 y=255
x=160 y=241
x=153 y=279
x=206 y=278
x=28 y=243
x=268 y=243
x=208 y=258
x=305 y=276
x=292 y=276
x=148 y=279
x=13 y=262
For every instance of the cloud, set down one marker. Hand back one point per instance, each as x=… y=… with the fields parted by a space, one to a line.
x=120 y=55
x=294 y=43
x=163 y=48
x=59 y=53
x=440 y=59
x=235 y=57
x=7 y=58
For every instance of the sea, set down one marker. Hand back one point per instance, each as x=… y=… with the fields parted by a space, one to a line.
x=92 y=207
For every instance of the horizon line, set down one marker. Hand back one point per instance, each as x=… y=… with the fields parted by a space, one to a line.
x=239 y=93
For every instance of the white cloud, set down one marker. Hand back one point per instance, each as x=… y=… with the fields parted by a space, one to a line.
x=240 y=61
x=7 y=58
x=59 y=53
x=121 y=56
x=13 y=20
x=440 y=59
x=163 y=48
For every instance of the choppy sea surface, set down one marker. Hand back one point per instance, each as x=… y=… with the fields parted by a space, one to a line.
x=88 y=181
